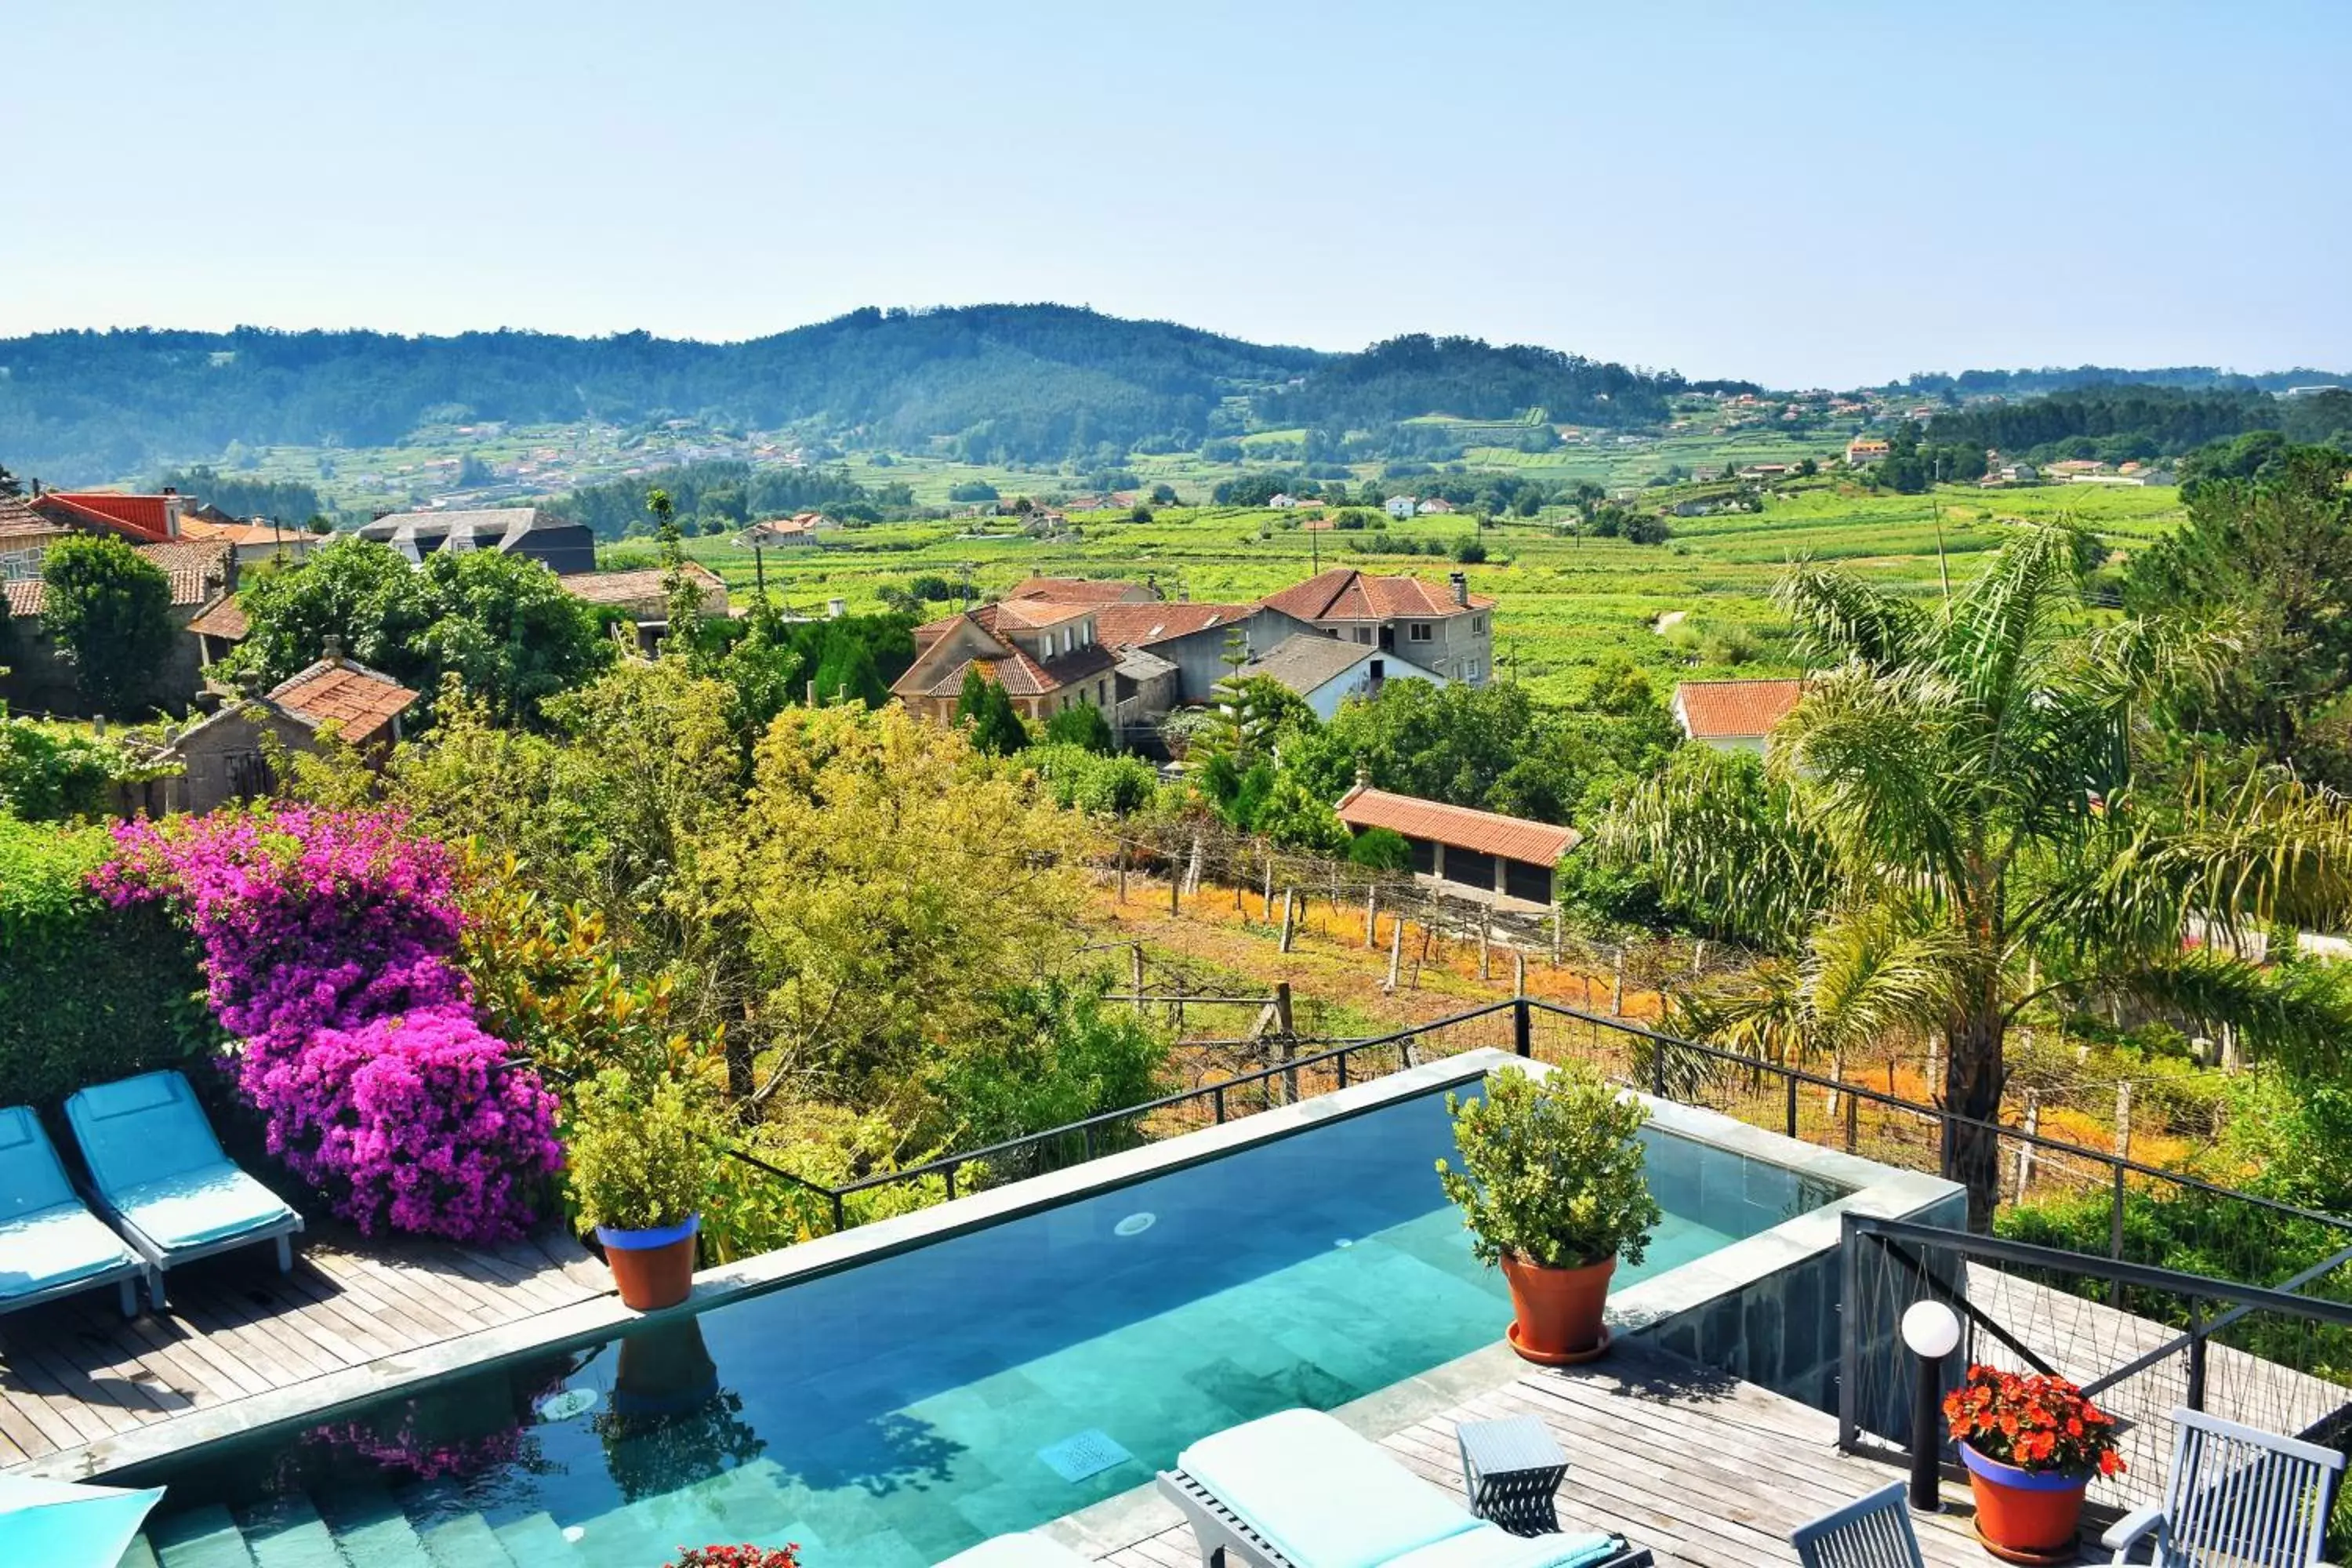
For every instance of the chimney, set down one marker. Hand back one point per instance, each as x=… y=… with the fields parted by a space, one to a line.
x=1461 y=588
x=835 y=608
x=1363 y=773
x=334 y=647
x=172 y=507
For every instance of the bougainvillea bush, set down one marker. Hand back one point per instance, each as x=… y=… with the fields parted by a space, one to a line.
x=330 y=945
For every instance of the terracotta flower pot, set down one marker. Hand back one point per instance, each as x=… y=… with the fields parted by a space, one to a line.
x=1556 y=1313
x=653 y=1268
x=2026 y=1516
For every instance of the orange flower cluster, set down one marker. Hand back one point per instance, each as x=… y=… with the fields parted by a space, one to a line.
x=2032 y=1422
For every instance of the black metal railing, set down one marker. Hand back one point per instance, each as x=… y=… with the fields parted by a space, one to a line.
x=2276 y=1358
x=2256 y=1237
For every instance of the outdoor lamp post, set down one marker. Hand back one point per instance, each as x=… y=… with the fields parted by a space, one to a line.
x=1932 y=1329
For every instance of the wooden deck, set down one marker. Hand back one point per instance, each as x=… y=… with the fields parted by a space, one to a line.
x=1706 y=1471
x=75 y=1371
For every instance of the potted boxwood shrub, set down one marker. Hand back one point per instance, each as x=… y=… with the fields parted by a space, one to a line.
x=638 y=1170
x=1551 y=1189
x=2031 y=1445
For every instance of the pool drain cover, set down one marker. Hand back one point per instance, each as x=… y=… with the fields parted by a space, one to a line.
x=1083 y=1453
x=565 y=1404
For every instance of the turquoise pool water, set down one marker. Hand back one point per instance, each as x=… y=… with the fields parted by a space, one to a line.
x=895 y=1413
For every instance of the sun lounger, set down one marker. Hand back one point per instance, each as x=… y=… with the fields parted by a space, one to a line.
x=161 y=1178
x=1298 y=1489
x=1027 y=1550
x=50 y=1244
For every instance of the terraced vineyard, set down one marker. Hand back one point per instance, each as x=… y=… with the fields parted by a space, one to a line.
x=1565 y=602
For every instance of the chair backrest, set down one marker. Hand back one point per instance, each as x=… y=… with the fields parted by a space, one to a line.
x=142 y=1130
x=1874 y=1532
x=2244 y=1495
x=32 y=1178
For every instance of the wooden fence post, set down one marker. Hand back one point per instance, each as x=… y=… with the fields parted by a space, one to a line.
x=1122 y=872
x=1175 y=886
x=2025 y=1151
x=1265 y=900
x=1289 y=896
x=1555 y=936
x=1135 y=970
x=1617 y=986
x=1518 y=973
x=1371 y=916
x=2123 y=1119
x=1396 y=950
x=1486 y=927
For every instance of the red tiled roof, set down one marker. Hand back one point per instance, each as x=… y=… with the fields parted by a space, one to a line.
x=341 y=693
x=644 y=587
x=1073 y=590
x=222 y=618
x=1457 y=826
x=1735 y=710
x=1020 y=674
x=1030 y=612
x=1136 y=626
x=206 y=531
x=18 y=520
x=142 y=516
x=1344 y=594
x=197 y=572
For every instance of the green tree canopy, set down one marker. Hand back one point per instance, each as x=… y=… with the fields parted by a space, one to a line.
x=503 y=624
x=110 y=610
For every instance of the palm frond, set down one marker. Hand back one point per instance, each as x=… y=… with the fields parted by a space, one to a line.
x=2015 y=607
x=1728 y=845
x=1839 y=617
x=2299 y=1012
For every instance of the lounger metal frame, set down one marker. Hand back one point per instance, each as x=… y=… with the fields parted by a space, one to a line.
x=1224 y=1535
x=159 y=1258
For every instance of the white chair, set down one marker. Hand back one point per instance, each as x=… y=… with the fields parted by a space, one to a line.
x=2234 y=1495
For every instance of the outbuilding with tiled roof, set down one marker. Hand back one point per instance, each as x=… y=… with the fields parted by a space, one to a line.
x=1504 y=861
x=1734 y=715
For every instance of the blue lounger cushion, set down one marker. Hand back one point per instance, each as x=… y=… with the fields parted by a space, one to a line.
x=47 y=1238
x=1322 y=1495
x=158 y=1165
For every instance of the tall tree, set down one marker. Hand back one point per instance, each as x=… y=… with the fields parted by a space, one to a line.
x=1960 y=811
x=110 y=609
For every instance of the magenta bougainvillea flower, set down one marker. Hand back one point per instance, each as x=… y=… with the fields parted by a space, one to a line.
x=330 y=945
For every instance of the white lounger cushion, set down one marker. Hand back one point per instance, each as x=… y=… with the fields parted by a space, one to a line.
x=1025 y=1550
x=1322 y=1495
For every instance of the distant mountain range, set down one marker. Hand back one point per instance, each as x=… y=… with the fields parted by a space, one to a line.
x=991 y=383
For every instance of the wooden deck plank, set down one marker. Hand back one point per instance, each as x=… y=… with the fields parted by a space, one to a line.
x=237 y=1328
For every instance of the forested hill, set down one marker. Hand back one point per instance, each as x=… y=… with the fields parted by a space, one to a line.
x=999 y=382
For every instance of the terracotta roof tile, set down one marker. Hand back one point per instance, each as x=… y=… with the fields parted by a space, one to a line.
x=1735 y=710
x=222 y=618
x=198 y=571
x=1136 y=626
x=644 y=588
x=1344 y=594
x=1457 y=826
x=146 y=518
x=359 y=699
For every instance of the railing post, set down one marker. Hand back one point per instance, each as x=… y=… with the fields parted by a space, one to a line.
x=2116 y=1235
x=1790 y=1079
x=1220 y=1098
x=2196 y=1356
x=840 y=1214
x=1522 y=1032
x=1849 y=1353
x=1657 y=1069
x=951 y=1174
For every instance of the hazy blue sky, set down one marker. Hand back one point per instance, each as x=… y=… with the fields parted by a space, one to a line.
x=1798 y=192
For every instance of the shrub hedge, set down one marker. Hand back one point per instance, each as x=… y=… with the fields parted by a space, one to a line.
x=86 y=992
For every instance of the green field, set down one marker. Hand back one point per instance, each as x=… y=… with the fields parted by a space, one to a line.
x=1564 y=602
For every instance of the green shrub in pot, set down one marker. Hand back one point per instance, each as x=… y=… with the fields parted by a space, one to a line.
x=1551 y=1170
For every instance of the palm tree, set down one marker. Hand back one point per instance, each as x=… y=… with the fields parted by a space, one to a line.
x=1958 y=825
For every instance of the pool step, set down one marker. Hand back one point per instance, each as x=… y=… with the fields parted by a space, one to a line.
x=138 y=1554
x=537 y=1541
x=286 y=1531
x=372 y=1530
x=203 y=1537
x=465 y=1541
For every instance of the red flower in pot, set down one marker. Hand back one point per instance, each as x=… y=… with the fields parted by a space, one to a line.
x=2032 y=1444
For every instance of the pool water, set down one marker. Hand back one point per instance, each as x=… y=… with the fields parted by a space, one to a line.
x=896 y=1411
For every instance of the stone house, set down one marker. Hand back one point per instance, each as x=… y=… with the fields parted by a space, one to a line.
x=1448 y=632
x=225 y=757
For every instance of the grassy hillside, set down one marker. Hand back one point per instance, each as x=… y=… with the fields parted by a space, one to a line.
x=1565 y=603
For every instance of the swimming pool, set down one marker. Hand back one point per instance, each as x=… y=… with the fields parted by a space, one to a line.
x=902 y=1409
